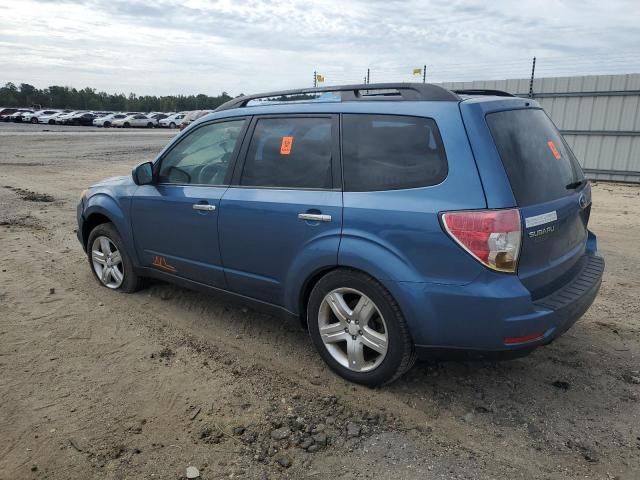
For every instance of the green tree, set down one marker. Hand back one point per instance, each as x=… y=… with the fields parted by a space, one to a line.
x=56 y=96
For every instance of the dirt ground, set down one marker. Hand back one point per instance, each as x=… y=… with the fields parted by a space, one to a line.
x=97 y=384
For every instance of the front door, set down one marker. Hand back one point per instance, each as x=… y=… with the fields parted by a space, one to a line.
x=175 y=220
x=282 y=216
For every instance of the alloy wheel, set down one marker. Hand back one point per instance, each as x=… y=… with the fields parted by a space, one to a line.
x=353 y=330
x=107 y=262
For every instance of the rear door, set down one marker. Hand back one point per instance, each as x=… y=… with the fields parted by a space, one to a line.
x=550 y=189
x=282 y=216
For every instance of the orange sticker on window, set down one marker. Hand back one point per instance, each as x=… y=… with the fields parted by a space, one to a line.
x=554 y=150
x=285 y=146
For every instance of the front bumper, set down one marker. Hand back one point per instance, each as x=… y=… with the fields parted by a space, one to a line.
x=489 y=313
x=80 y=218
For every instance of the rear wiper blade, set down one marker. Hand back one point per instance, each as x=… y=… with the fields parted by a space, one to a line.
x=574 y=185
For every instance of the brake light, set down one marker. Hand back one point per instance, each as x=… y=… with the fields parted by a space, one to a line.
x=491 y=236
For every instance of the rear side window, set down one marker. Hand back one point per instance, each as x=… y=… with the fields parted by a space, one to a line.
x=289 y=153
x=391 y=152
x=539 y=163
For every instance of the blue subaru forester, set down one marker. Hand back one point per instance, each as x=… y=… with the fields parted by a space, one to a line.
x=392 y=219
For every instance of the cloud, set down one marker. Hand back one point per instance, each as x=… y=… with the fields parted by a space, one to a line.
x=191 y=46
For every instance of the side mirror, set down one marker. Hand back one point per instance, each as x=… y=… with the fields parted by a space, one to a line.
x=143 y=174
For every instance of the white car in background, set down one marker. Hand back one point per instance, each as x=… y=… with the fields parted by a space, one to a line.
x=66 y=118
x=49 y=118
x=137 y=120
x=17 y=116
x=107 y=120
x=157 y=116
x=172 y=121
x=33 y=117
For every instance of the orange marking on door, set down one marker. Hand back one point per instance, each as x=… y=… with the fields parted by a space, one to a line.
x=161 y=262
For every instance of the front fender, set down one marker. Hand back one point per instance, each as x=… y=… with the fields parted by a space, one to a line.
x=118 y=214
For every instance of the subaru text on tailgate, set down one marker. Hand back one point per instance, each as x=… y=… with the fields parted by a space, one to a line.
x=394 y=220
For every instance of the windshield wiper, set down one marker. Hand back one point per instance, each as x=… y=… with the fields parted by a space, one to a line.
x=575 y=185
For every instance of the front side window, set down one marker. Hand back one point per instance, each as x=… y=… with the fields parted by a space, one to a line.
x=290 y=153
x=204 y=156
x=391 y=152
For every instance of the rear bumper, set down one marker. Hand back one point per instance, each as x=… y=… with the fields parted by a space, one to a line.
x=492 y=313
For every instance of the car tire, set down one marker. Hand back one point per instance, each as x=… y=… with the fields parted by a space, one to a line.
x=343 y=341
x=106 y=124
x=149 y=125
x=34 y=120
x=103 y=246
x=172 y=125
x=126 y=125
x=52 y=122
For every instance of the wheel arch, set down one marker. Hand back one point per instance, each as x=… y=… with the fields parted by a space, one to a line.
x=313 y=279
x=103 y=208
x=92 y=221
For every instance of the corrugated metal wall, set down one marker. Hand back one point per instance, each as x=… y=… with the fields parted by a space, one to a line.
x=598 y=115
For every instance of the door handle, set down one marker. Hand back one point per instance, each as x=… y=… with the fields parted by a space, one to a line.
x=205 y=207
x=314 y=217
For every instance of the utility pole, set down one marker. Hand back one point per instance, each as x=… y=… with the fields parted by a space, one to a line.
x=315 y=79
x=368 y=76
x=533 y=73
x=424 y=74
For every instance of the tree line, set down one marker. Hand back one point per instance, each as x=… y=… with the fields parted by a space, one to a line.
x=25 y=95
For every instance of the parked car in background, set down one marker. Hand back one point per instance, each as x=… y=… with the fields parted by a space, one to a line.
x=172 y=121
x=156 y=117
x=430 y=221
x=33 y=117
x=66 y=118
x=17 y=115
x=137 y=120
x=107 y=120
x=192 y=117
x=84 y=118
x=6 y=112
x=50 y=118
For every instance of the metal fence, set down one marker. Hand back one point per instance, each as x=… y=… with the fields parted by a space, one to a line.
x=599 y=115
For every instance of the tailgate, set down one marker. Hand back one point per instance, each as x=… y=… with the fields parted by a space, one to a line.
x=551 y=192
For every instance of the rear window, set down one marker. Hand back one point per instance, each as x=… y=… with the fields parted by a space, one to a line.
x=391 y=152
x=539 y=163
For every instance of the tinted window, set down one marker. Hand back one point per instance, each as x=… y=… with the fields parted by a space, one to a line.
x=537 y=160
x=389 y=152
x=289 y=153
x=203 y=157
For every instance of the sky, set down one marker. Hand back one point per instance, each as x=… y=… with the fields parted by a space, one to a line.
x=164 y=47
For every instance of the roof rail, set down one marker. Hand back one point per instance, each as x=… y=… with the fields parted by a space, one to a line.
x=359 y=92
x=482 y=91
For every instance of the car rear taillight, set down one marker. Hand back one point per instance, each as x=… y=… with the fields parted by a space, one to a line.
x=491 y=236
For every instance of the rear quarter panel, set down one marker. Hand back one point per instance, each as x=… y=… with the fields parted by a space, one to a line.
x=396 y=235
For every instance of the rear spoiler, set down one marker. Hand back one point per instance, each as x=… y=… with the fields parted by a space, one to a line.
x=481 y=91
